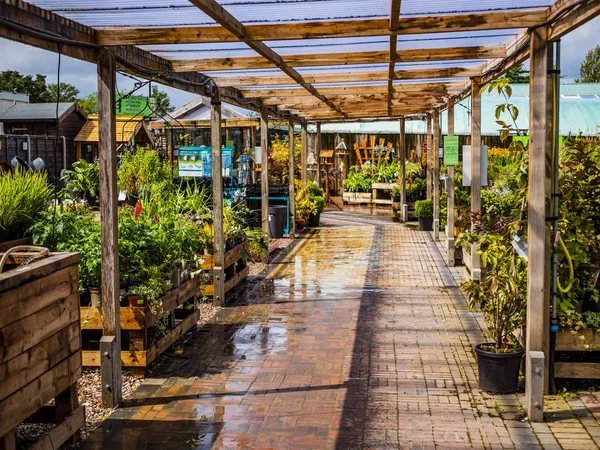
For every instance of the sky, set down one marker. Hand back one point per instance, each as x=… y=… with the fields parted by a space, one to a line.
x=30 y=60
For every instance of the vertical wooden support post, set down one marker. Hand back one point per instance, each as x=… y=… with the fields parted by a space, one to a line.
x=436 y=175
x=292 y=169
x=304 y=156
x=318 y=152
x=403 y=156
x=428 y=157
x=540 y=170
x=475 y=167
x=217 y=197
x=110 y=345
x=252 y=155
x=450 y=220
x=264 y=172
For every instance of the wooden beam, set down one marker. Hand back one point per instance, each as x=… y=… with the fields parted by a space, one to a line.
x=403 y=157
x=394 y=24
x=228 y=21
x=440 y=89
x=291 y=171
x=450 y=260
x=217 y=195
x=304 y=155
x=475 y=167
x=23 y=22
x=109 y=224
x=538 y=229
x=436 y=175
x=334 y=59
x=350 y=77
x=318 y=144
x=495 y=20
x=570 y=14
x=264 y=171
x=429 y=137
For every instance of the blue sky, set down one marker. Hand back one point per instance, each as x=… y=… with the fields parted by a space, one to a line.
x=30 y=60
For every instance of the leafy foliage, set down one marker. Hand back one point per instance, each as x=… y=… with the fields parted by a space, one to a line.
x=83 y=179
x=140 y=169
x=589 y=71
x=424 y=208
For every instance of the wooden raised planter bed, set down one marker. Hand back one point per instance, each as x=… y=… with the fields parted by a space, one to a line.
x=40 y=348
x=236 y=269
x=357 y=198
x=136 y=354
x=567 y=342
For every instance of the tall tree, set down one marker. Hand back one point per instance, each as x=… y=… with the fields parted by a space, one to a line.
x=517 y=75
x=590 y=67
x=13 y=81
x=163 y=103
x=68 y=92
x=89 y=103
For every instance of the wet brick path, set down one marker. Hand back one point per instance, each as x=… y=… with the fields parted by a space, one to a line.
x=359 y=338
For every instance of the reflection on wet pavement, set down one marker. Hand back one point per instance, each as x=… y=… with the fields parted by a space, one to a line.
x=357 y=339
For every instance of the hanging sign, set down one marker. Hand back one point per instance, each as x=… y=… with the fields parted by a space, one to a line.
x=450 y=150
x=136 y=105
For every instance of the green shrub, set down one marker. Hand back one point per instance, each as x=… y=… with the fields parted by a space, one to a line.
x=396 y=192
x=23 y=196
x=424 y=208
x=141 y=169
x=82 y=180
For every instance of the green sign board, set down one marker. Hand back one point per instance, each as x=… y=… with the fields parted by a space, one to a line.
x=134 y=106
x=525 y=140
x=450 y=150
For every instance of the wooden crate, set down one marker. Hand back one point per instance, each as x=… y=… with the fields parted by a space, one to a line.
x=40 y=348
x=235 y=269
x=136 y=321
x=568 y=342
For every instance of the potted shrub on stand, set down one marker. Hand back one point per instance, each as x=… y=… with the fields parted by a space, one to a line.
x=502 y=299
x=83 y=182
x=424 y=212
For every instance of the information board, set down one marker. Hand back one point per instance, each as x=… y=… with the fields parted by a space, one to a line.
x=136 y=105
x=450 y=150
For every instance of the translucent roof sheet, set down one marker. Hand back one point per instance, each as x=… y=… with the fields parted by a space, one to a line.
x=152 y=13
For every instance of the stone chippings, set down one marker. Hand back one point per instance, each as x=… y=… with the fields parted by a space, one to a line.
x=359 y=339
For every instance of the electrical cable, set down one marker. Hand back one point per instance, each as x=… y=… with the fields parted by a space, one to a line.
x=561 y=289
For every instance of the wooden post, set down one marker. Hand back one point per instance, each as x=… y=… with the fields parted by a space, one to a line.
x=252 y=147
x=318 y=152
x=291 y=169
x=403 y=155
x=540 y=170
x=475 y=167
x=264 y=172
x=107 y=149
x=450 y=220
x=304 y=155
x=436 y=175
x=428 y=157
x=217 y=194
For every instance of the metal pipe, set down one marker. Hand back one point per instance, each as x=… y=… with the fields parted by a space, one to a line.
x=64 y=139
x=555 y=212
x=28 y=149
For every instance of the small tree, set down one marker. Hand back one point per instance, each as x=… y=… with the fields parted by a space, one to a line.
x=89 y=103
x=590 y=67
x=67 y=93
x=517 y=75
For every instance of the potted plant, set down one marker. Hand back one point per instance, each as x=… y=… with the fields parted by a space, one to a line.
x=424 y=212
x=316 y=198
x=83 y=181
x=138 y=169
x=396 y=193
x=502 y=299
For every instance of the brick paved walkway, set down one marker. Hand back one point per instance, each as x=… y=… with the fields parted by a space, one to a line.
x=358 y=339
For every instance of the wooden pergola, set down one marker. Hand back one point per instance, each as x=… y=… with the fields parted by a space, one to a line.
x=291 y=60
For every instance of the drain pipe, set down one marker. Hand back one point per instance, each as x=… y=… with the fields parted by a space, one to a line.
x=555 y=212
x=28 y=149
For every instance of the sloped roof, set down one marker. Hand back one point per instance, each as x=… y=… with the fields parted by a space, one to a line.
x=127 y=128
x=38 y=111
x=199 y=109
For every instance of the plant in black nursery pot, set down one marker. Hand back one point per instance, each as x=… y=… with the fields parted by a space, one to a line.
x=502 y=299
x=424 y=212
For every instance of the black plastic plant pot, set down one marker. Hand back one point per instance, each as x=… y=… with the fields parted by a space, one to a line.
x=498 y=372
x=314 y=221
x=425 y=223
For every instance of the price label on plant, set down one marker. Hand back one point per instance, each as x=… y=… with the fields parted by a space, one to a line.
x=450 y=150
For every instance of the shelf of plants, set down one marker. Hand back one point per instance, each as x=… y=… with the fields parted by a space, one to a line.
x=165 y=241
x=502 y=293
x=373 y=185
